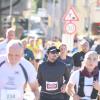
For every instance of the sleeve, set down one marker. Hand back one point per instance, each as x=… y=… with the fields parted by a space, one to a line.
x=31 y=71
x=76 y=59
x=32 y=74
x=66 y=75
x=74 y=78
x=72 y=62
x=39 y=75
x=99 y=65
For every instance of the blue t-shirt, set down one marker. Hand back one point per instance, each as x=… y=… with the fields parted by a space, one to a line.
x=68 y=61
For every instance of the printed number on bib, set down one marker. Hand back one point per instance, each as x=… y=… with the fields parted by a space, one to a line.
x=9 y=94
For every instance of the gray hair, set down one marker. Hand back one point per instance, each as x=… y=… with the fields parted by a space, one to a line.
x=90 y=53
x=14 y=43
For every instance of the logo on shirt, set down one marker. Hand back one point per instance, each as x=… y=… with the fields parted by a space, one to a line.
x=17 y=72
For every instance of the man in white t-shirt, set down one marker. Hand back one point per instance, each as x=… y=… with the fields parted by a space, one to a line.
x=86 y=79
x=10 y=34
x=15 y=71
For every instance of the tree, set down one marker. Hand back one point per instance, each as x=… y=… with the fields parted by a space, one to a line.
x=36 y=4
x=39 y=3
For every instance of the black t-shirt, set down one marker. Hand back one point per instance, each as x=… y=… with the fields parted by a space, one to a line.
x=51 y=76
x=78 y=58
x=99 y=65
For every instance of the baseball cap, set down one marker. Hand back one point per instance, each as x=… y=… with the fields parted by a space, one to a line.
x=53 y=49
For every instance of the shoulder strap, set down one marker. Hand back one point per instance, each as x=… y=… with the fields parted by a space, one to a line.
x=24 y=71
x=94 y=91
x=81 y=85
x=2 y=63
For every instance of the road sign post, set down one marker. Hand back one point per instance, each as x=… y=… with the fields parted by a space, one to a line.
x=70 y=17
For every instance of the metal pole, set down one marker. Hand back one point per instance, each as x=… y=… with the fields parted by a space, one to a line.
x=10 y=11
x=53 y=19
x=43 y=3
x=0 y=18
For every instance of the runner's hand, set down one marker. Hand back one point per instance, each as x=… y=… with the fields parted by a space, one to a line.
x=63 y=88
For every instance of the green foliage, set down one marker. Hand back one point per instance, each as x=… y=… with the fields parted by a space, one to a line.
x=39 y=3
x=36 y=4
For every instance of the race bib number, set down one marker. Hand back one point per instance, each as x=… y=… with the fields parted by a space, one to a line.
x=9 y=94
x=50 y=86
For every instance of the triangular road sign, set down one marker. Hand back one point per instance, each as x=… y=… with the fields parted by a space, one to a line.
x=71 y=15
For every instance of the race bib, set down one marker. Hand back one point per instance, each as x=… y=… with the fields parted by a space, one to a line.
x=50 y=86
x=9 y=94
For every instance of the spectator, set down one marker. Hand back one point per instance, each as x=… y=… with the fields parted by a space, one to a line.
x=15 y=72
x=50 y=77
x=86 y=79
x=10 y=34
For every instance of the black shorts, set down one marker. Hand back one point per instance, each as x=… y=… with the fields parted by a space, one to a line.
x=45 y=96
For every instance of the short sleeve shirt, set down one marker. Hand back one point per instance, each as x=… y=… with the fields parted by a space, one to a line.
x=12 y=77
x=88 y=82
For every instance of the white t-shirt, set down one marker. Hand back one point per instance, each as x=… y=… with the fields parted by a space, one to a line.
x=74 y=79
x=12 y=79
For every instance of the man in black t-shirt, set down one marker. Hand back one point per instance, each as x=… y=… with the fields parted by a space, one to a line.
x=79 y=56
x=51 y=76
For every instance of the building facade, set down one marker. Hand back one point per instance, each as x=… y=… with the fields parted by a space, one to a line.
x=88 y=12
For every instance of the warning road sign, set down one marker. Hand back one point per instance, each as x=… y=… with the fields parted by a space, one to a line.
x=71 y=15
